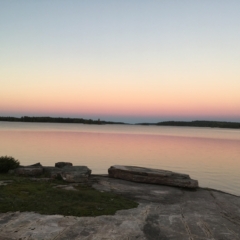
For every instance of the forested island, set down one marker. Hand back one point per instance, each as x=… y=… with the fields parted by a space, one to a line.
x=212 y=124
x=198 y=123
x=56 y=120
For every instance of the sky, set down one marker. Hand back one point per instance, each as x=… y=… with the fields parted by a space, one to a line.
x=131 y=61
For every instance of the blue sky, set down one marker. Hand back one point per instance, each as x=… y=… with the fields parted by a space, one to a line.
x=121 y=60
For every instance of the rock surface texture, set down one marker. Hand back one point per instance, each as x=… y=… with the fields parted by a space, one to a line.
x=62 y=164
x=28 y=171
x=155 y=176
x=163 y=213
x=75 y=174
x=65 y=171
x=52 y=172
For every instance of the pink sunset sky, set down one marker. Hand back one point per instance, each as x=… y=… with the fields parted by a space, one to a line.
x=118 y=60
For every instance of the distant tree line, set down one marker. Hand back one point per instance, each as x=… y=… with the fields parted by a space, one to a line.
x=56 y=120
x=213 y=124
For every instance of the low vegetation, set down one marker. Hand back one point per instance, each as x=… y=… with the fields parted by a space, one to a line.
x=8 y=163
x=23 y=194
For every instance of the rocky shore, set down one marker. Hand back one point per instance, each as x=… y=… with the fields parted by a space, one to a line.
x=164 y=212
x=75 y=174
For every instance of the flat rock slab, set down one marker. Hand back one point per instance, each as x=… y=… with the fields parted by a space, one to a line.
x=163 y=213
x=28 y=171
x=149 y=175
x=35 y=165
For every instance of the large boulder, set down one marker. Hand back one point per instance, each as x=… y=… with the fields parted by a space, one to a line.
x=28 y=171
x=75 y=174
x=62 y=164
x=149 y=175
x=71 y=174
x=52 y=172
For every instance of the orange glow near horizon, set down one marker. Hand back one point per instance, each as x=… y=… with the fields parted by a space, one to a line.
x=115 y=109
x=134 y=97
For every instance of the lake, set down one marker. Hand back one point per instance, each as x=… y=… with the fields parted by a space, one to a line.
x=212 y=156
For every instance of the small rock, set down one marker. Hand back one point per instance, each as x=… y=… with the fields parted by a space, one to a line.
x=62 y=164
x=5 y=182
x=41 y=179
x=66 y=187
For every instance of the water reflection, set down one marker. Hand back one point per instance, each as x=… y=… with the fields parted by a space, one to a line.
x=214 y=162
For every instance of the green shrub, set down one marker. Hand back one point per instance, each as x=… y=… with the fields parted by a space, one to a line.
x=8 y=163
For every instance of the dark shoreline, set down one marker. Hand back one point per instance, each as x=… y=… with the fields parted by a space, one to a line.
x=197 y=123
x=56 y=120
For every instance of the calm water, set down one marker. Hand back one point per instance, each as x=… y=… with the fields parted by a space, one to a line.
x=210 y=155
